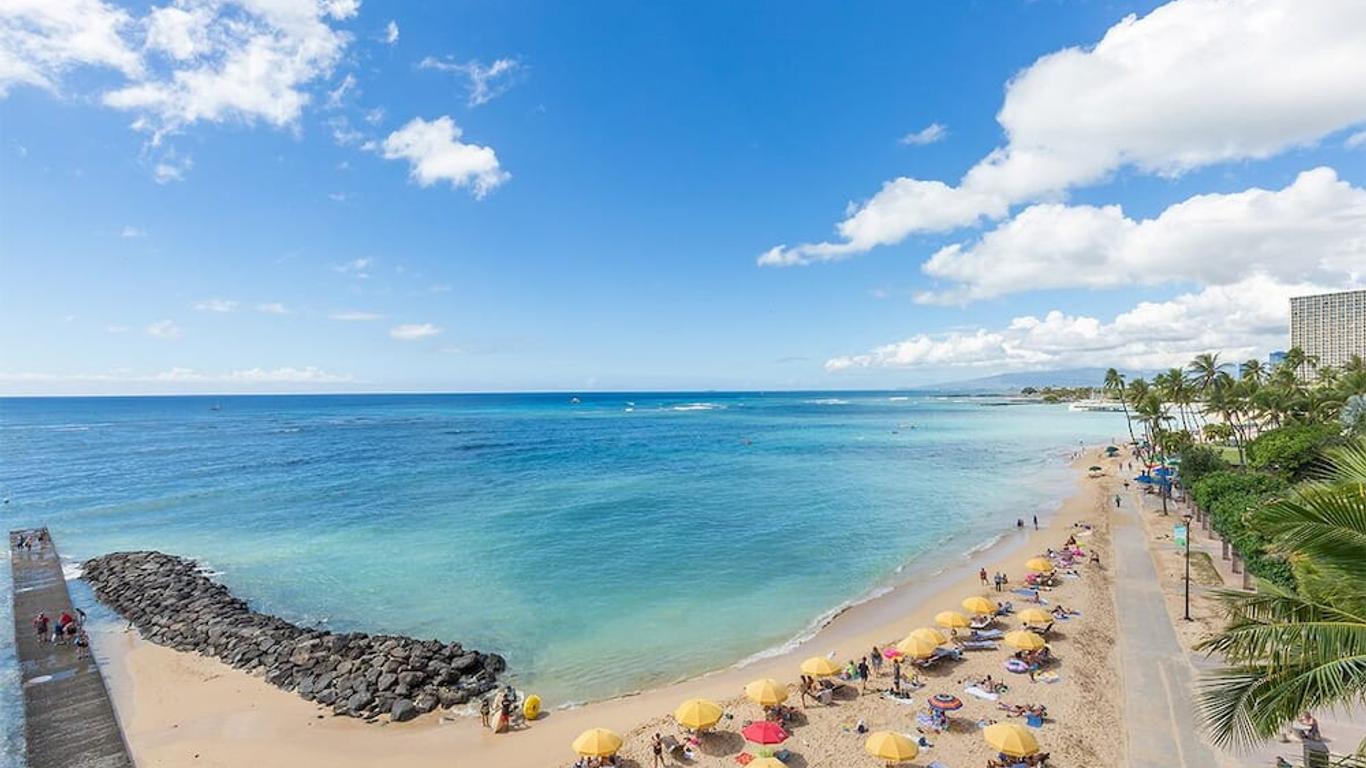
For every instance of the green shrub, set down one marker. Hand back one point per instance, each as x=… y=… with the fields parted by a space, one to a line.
x=1199 y=461
x=1291 y=451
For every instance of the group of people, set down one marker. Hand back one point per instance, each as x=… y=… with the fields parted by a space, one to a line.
x=1023 y=710
x=504 y=705
x=1006 y=761
x=67 y=629
x=999 y=580
x=28 y=540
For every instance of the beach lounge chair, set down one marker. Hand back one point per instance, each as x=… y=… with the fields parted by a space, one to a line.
x=979 y=645
x=986 y=634
x=982 y=622
x=1043 y=631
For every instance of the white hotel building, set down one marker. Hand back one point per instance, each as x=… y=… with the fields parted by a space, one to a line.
x=1329 y=326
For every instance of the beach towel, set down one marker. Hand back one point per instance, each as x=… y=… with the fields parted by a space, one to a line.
x=1033 y=721
x=1047 y=677
x=744 y=758
x=987 y=634
x=979 y=645
x=888 y=696
x=973 y=690
x=925 y=721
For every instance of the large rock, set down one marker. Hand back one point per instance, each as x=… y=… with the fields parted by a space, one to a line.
x=403 y=710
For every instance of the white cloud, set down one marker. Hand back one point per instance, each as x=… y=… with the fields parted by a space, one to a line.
x=1313 y=230
x=414 y=331
x=435 y=153
x=358 y=268
x=391 y=32
x=374 y=116
x=486 y=82
x=164 y=329
x=273 y=308
x=930 y=134
x=354 y=316
x=336 y=96
x=1242 y=320
x=1357 y=139
x=216 y=305
x=131 y=231
x=41 y=40
x=1193 y=83
x=171 y=167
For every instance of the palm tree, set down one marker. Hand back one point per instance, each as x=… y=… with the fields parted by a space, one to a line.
x=1289 y=651
x=1253 y=370
x=1114 y=383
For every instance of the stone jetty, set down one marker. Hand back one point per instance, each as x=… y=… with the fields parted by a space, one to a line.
x=173 y=603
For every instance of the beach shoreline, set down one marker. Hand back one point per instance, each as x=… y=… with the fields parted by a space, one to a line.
x=178 y=708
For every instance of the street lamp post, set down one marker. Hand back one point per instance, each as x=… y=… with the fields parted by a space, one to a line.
x=1187 y=518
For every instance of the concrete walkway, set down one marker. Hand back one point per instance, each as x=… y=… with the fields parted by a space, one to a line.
x=69 y=720
x=1158 y=709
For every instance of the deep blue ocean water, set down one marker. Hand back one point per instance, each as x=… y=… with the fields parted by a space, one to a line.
x=602 y=546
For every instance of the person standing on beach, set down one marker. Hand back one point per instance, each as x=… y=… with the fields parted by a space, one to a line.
x=997 y=580
x=485 y=709
x=40 y=625
x=1036 y=522
x=875 y=658
x=982 y=574
x=657 y=751
x=1116 y=501
x=896 y=674
x=864 y=673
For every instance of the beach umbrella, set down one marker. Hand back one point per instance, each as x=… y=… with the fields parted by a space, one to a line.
x=945 y=702
x=820 y=666
x=917 y=646
x=1024 y=640
x=952 y=620
x=767 y=762
x=597 y=742
x=979 y=605
x=1010 y=739
x=764 y=732
x=1035 y=616
x=766 y=692
x=889 y=746
x=929 y=634
x=1039 y=564
x=698 y=714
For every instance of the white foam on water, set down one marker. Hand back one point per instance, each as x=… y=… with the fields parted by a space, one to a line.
x=812 y=629
x=698 y=407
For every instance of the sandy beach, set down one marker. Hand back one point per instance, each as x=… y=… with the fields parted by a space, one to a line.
x=181 y=709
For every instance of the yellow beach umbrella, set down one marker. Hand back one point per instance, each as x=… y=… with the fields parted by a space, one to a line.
x=597 y=742
x=1024 y=640
x=766 y=692
x=767 y=762
x=1039 y=564
x=698 y=714
x=979 y=605
x=820 y=667
x=1035 y=616
x=931 y=634
x=917 y=646
x=892 y=747
x=952 y=620
x=1011 y=739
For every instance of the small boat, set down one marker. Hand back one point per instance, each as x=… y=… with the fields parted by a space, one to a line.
x=574 y=401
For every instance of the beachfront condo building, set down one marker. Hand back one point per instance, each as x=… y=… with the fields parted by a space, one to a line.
x=1329 y=326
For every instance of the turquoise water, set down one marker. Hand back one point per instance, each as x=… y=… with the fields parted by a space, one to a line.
x=603 y=546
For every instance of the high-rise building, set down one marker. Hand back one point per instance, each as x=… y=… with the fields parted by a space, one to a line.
x=1329 y=326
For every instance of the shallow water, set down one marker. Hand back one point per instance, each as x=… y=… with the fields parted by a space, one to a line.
x=604 y=546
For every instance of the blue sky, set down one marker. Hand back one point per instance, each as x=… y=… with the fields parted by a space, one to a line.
x=360 y=197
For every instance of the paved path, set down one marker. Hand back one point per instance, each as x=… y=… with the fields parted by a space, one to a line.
x=69 y=721
x=1158 y=709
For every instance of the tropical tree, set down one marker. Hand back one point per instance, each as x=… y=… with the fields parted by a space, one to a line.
x=1114 y=384
x=1289 y=650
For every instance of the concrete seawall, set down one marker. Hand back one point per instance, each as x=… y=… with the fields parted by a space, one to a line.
x=69 y=720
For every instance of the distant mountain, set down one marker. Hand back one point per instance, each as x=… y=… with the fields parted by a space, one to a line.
x=1010 y=383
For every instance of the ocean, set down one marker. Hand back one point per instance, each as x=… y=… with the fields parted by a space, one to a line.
x=603 y=546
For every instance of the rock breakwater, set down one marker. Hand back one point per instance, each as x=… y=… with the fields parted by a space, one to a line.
x=172 y=603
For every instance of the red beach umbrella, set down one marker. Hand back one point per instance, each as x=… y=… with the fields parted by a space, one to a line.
x=764 y=732
x=945 y=703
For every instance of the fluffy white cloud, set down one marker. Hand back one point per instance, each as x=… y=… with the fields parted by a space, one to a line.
x=391 y=32
x=928 y=135
x=1313 y=230
x=1357 y=139
x=171 y=167
x=164 y=329
x=182 y=63
x=486 y=82
x=413 y=331
x=1193 y=83
x=359 y=268
x=131 y=231
x=1240 y=320
x=216 y=305
x=435 y=153
x=354 y=316
x=40 y=40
